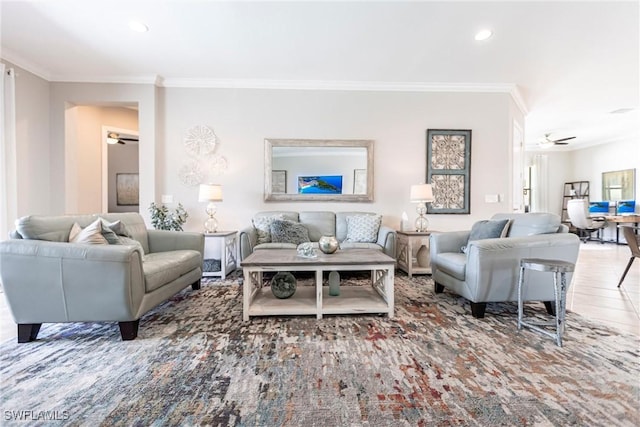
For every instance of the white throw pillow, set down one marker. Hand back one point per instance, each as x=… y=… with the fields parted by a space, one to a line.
x=263 y=227
x=91 y=234
x=363 y=228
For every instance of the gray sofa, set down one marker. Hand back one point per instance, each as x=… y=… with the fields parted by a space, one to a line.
x=318 y=224
x=489 y=270
x=46 y=279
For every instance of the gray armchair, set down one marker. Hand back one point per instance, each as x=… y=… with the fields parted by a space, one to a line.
x=488 y=271
x=46 y=279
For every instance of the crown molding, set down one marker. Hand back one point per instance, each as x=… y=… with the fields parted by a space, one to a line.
x=337 y=85
x=373 y=86
x=17 y=60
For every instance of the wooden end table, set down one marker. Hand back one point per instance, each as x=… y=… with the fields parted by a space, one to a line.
x=409 y=243
x=222 y=245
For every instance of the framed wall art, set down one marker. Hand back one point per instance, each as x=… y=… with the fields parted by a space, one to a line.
x=127 y=192
x=449 y=170
x=279 y=182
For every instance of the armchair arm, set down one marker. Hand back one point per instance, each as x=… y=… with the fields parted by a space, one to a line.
x=387 y=239
x=164 y=241
x=66 y=282
x=248 y=240
x=451 y=241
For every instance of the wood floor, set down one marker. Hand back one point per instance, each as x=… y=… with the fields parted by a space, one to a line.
x=593 y=292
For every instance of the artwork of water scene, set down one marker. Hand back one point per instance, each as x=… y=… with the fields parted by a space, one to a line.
x=320 y=184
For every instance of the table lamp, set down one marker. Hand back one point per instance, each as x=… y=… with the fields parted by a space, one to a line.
x=421 y=194
x=210 y=193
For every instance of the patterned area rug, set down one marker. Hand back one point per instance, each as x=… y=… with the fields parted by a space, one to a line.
x=196 y=363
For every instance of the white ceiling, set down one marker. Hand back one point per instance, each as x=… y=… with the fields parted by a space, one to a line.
x=572 y=62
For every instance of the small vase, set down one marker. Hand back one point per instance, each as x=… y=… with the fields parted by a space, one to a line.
x=334 y=284
x=328 y=244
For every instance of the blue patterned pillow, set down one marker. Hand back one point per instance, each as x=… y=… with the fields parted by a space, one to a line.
x=363 y=228
x=285 y=231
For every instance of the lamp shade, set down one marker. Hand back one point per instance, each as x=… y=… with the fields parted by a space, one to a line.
x=210 y=193
x=421 y=193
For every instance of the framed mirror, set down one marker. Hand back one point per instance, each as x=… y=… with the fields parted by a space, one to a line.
x=619 y=185
x=331 y=170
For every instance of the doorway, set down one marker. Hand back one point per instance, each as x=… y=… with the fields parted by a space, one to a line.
x=120 y=170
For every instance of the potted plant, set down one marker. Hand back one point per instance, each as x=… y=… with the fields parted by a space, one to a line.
x=162 y=219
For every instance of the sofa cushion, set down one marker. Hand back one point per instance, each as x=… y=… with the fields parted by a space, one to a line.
x=319 y=224
x=453 y=263
x=363 y=228
x=529 y=224
x=90 y=235
x=360 y=245
x=161 y=268
x=285 y=231
x=128 y=241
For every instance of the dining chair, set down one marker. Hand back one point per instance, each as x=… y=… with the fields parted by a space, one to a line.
x=632 y=240
x=578 y=211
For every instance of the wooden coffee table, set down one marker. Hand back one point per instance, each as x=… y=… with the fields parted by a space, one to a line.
x=315 y=300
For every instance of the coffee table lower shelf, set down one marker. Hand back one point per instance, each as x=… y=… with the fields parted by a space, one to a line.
x=352 y=300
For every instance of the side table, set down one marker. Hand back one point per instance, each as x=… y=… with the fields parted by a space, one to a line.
x=223 y=246
x=412 y=252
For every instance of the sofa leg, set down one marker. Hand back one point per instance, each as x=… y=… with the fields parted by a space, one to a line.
x=195 y=285
x=551 y=307
x=477 y=309
x=438 y=288
x=129 y=330
x=28 y=332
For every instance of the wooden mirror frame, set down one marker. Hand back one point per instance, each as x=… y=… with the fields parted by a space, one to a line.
x=270 y=143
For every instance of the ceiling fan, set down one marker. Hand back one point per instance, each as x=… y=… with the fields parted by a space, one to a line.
x=114 y=138
x=549 y=141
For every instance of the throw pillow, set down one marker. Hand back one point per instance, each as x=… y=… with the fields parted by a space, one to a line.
x=117 y=227
x=263 y=227
x=286 y=231
x=91 y=234
x=488 y=229
x=108 y=233
x=363 y=228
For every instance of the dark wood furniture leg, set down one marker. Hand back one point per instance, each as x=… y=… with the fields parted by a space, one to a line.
x=478 y=309
x=195 y=285
x=438 y=288
x=28 y=332
x=129 y=330
x=551 y=307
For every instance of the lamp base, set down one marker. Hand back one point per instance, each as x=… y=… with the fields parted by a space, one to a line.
x=422 y=223
x=211 y=225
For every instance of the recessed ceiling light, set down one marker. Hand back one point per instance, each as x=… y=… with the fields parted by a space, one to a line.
x=138 y=27
x=483 y=35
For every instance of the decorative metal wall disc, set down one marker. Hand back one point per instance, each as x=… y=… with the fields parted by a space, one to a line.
x=200 y=141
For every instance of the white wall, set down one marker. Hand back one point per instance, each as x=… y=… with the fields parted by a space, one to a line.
x=589 y=163
x=396 y=121
x=32 y=143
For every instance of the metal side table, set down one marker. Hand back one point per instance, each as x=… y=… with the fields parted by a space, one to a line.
x=559 y=270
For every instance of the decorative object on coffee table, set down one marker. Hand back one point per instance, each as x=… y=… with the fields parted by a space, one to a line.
x=334 y=284
x=283 y=285
x=328 y=244
x=306 y=250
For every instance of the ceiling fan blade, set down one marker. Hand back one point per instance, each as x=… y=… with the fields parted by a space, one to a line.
x=560 y=143
x=129 y=139
x=563 y=139
x=120 y=141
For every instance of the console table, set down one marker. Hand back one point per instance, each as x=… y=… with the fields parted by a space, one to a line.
x=315 y=300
